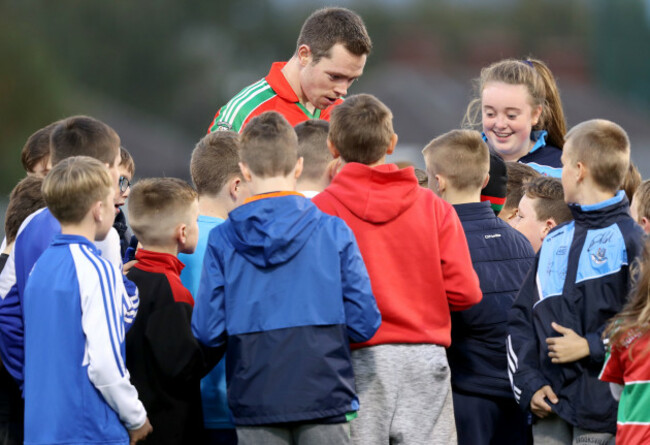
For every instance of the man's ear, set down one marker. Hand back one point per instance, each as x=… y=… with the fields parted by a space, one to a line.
x=304 y=55
x=298 y=169
x=393 y=143
x=333 y=149
x=245 y=172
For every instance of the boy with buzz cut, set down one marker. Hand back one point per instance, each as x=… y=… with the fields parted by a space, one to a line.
x=165 y=360
x=285 y=286
x=77 y=388
x=580 y=280
x=485 y=411
x=218 y=180
x=418 y=261
x=312 y=148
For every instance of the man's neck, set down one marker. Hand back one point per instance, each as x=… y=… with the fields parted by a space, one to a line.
x=213 y=206
x=460 y=196
x=291 y=72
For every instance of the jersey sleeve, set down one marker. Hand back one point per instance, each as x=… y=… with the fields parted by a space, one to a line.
x=460 y=280
x=361 y=313
x=12 y=346
x=103 y=326
x=522 y=345
x=612 y=368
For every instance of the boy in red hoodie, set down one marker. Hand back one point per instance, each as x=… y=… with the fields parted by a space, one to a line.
x=419 y=264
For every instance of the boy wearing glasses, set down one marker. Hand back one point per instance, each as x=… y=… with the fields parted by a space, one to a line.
x=127 y=171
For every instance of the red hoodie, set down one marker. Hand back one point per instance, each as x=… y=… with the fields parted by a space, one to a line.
x=414 y=248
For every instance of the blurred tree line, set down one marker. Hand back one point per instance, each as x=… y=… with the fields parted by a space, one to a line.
x=179 y=61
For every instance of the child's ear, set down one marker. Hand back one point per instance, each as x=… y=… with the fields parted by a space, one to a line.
x=441 y=184
x=548 y=225
x=393 y=143
x=508 y=214
x=485 y=182
x=581 y=171
x=234 y=186
x=245 y=172
x=180 y=233
x=537 y=112
x=645 y=224
x=298 y=169
x=97 y=211
x=333 y=149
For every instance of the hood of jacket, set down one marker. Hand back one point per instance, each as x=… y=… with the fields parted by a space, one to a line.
x=269 y=231
x=375 y=194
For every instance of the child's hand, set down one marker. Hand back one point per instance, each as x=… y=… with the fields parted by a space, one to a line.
x=568 y=348
x=538 y=405
x=139 y=434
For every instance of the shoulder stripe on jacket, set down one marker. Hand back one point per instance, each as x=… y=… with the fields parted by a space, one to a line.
x=236 y=102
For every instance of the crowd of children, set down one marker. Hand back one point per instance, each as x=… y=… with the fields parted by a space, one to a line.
x=305 y=291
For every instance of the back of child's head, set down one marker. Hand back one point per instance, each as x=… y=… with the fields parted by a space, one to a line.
x=461 y=157
x=84 y=136
x=604 y=148
x=25 y=198
x=74 y=185
x=269 y=145
x=361 y=129
x=36 y=151
x=518 y=175
x=215 y=160
x=157 y=206
x=641 y=202
x=632 y=181
x=542 y=90
x=548 y=199
x=312 y=147
x=127 y=162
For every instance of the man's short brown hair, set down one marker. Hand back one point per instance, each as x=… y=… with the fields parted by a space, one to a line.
x=548 y=198
x=269 y=145
x=604 y=148
x=361 y=129
x=37 y=147
x=215 y=160
x=74 y=185
x=326 y=27
x=156 y=206
x=312 y=147
x=84 y=136
x=518 y=175
x=25 y=199
x=461 y=156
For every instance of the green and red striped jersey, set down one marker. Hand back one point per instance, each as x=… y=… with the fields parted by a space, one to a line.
x=629 y=365
x=272 y=93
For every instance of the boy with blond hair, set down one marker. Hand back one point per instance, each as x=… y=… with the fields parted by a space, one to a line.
x=458 y=163
x=418 y=261
x=263 y=294
x=74 y=326
x=541 y=208
x=580 y=280
x=640 y=207
x=218 y=180
x=165 y=360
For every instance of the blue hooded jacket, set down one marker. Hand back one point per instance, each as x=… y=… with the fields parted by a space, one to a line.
x=284 y=285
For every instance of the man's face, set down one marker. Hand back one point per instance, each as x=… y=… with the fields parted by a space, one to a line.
x=324 y=82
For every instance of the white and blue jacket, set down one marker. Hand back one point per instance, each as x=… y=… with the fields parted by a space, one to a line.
x=77 y=388
x=285 y=287
x=580 y=280
x=34 y=236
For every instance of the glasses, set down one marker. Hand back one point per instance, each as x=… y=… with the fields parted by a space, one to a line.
x=124 y=184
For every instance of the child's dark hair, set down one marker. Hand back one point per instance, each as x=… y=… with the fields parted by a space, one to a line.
x=312 y=147
x=269 y=145
x=25 y=199
x=84 y=136
x=37 y=147
x=215 y=160
x=518 y=175
x=126 y=161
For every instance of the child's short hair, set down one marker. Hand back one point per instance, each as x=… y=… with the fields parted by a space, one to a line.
x=604 y=148
x=518 y=175
x=269 y=145
x=74 y=185
x=361 y=129
x=25 y=199
x=549 y=199
x=423 y=178
x=37 y=147
x=156 y=206
x=126 y=161
x=632 y=181
x=642 y=200
x=215 y=160
x=312 y=147
x=461 y=156
x=84 y=136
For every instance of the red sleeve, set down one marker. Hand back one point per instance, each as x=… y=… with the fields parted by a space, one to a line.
x=461 y=281
x=612 y=369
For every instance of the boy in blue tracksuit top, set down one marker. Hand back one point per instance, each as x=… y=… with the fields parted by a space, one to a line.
x=484 y=408
x=580 y=280
x=284 y=286
x=77 y=388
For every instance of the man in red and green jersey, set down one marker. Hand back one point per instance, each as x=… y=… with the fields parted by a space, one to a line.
x=331 y=53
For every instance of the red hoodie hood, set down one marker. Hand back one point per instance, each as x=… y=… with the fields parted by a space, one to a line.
x=375 y=194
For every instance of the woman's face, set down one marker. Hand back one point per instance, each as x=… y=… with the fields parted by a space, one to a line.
x=508 y=118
